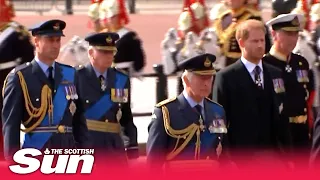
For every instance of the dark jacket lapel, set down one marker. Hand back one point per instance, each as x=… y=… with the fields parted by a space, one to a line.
x=186 y=111
x=243 y=76
x=36 y=69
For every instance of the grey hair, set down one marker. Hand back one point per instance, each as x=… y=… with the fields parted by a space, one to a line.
x=187 y=74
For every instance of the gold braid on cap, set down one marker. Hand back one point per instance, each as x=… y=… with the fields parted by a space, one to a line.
x=186 y=134
x=39 y=113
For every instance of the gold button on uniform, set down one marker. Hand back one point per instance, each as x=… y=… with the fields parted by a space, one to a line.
x=87 y=101
x=61 y=129
x=305 y=109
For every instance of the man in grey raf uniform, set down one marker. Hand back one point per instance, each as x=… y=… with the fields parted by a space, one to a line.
x=42 y=96
x=190 y=126
x=105 y=93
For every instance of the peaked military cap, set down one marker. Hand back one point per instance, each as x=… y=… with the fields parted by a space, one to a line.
x=200 y=64
x=53 y=27
x=287 y=22
x=103 y=41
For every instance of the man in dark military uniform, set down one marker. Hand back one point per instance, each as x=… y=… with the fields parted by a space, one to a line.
x=179 y=124
x=298 y=80
x=227 y=24
x=105 y=92
x=15 y=47
x=41 y=95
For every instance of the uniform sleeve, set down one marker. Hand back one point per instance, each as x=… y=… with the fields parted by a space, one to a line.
x=315 y=150
x=311 y=84
x=80 y=129
x=12 y=115
x=129 y=130
x=157 y=140
x=27 y=49
x=225 y=156
x=137 y=53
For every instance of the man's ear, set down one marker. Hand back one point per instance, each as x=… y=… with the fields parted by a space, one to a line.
x=90 y=51
x=241 y=42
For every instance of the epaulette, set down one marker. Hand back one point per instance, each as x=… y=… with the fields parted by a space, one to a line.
x=121 y=71
x=165 y=102
x=5 y=26
x=222 y=15
x=19 y=28
x=66 y=65
x=79 y=67
x=20 y=67
x=214 y=102
x=254 y=12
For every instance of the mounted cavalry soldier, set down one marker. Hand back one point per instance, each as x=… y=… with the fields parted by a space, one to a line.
x=93 y=14
x=130 y=55
x=42 y=95
x=188 y=129
x=226 y=25
x=193 y=37
x=15 y=46
x=105 y=100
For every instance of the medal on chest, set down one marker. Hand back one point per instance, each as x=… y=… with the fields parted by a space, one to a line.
x=288 y=68
x=72 y=108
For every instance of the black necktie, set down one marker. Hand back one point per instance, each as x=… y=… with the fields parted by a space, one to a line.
x=102 y=83
x=257 y=78
x=199 y=110
x=50 y=77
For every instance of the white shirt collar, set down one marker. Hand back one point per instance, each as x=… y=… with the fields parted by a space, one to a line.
x=250 y=66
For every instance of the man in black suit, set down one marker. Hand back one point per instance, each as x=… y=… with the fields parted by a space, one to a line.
x=251 y=93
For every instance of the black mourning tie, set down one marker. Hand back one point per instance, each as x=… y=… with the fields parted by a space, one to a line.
x=102 y=83
x=199 y=110
x=50 y=77
x=257 y=78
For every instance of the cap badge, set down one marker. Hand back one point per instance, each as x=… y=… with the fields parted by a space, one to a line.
x=295 y=21
x=56 y=26
x=207 y=62
x=108 y=39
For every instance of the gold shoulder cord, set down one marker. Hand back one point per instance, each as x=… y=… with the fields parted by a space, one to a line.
x=46 y=100
x=186 y=134
x=226 y=34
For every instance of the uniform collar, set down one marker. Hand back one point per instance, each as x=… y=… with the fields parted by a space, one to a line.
x=191 y=102
x=277 y=54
